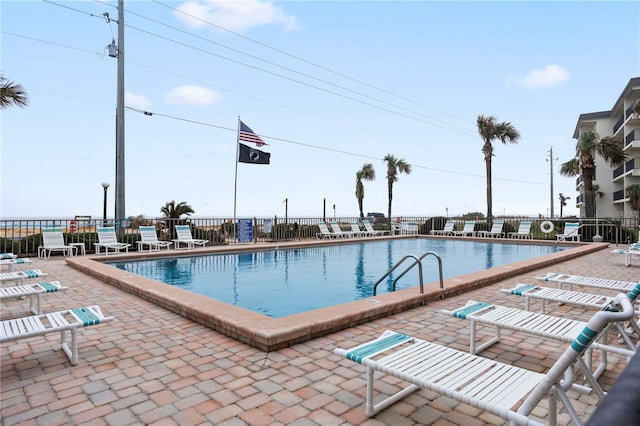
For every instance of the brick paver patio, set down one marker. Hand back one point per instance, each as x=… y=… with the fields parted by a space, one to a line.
x=153 y=367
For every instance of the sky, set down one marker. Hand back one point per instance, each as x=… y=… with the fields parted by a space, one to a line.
x=328 y=85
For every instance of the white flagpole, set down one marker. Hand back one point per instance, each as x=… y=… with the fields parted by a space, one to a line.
x=235 y=185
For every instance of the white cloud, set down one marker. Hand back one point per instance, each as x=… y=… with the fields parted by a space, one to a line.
x=239 y=15
x=136 y=101
x=548 y=76
x=192 y=95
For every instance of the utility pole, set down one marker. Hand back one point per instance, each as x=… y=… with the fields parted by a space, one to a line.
x=120 y=186
x=550 y=160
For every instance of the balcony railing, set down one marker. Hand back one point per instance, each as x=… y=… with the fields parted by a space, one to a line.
x=629 y=165
x=629 y=111
x=579 y=180
x=634 y=135
x=618 y=195
x=618 y=125
x=618 y=171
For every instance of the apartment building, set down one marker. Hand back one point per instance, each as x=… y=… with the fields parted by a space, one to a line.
x=623 y=125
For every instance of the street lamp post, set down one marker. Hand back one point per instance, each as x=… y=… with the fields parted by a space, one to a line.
x=105 y=186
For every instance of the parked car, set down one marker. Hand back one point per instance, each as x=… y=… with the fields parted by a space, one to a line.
x=377 y=218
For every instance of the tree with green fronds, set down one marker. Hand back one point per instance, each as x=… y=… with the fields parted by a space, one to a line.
x=12 y=94
x=394 y=167
x=171 y=210
x=587 y=147
x=563 y=202
x=632 y=192
x=491 y=130
x=173 y=213
x=367 y=172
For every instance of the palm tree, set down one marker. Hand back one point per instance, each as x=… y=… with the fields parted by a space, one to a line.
x=489 y=131
x=12 y=94
x=636 y=109
x=596 y=194
x=590 y=144
x=394 y=166
x=171 y=210
x=367 y=172
x=633 y=194
x=563 y=202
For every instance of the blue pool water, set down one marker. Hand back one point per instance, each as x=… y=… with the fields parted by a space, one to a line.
x=278 y=283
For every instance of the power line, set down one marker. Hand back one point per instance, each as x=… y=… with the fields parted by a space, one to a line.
x=255 y=57
x=287 y=69
x=339 y=151
x=307 y=61
x=276 y=74
x=366 y=129
x=464 y=132
x=270 y=137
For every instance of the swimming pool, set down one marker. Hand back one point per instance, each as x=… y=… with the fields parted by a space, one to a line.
x=279 y=282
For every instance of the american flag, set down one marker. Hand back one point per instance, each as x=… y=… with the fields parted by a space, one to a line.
x=247 y=135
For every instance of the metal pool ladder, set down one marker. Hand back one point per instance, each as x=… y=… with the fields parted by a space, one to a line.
x=418 y=261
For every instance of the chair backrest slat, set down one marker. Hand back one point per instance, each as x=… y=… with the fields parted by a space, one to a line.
x=497 y=226
x=52 y=237
x=148 y=234
x=107 y=235
x=183 y=232
x=525 y=227
x=469 y=226
x=368 y=226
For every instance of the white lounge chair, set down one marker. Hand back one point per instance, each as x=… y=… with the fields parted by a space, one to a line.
x=496 y=230
x=33 y=291
x=53 y=241
x=448 y=229
x=56 y=322
x=468 y=229
x=374 y=232
x=357 y=232
x=108 y=240
x=524 y=230
x=20 y=276
x=335 y=227
x=7 y=256
x=507 y=391
x=183 y=232
x=324 y=233
x=571 y=232
x=549 y=327
x=584 y=281
x=149 y=238
x=409 y=228
x=11 y=263
x=576 y=298
x=629 y=253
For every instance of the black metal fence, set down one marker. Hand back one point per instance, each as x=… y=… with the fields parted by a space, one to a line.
x=23 y=237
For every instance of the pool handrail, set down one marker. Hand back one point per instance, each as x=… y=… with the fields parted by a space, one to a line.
x=425 y=254
x=418 y=261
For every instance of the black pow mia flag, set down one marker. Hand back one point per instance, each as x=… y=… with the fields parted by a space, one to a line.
x=253 y=156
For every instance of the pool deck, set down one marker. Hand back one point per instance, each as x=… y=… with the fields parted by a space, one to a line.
x=152 y=366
